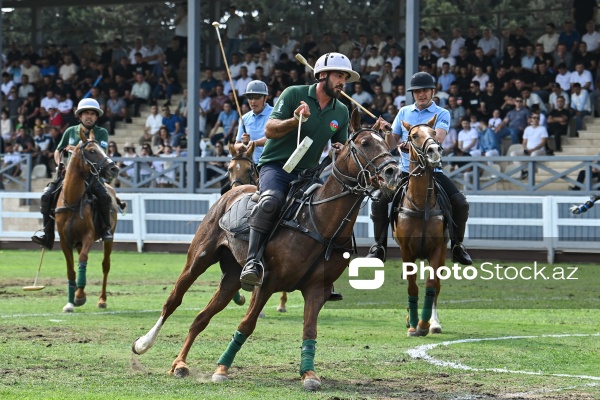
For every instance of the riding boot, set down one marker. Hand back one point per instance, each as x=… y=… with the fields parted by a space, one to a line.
x=262 y=220
x=460 y=214
x=47 y=239
x=380 y=218
x=106 y=233
x=253 y=271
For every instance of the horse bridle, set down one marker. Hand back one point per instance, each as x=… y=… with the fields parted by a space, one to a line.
x=95 y=168
x=253 y=172
x=363 y=182
x=421 y=152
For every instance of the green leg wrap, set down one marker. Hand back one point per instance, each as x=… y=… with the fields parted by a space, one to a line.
x=81 y=275
x=72 y=288
x=235 y=345
x=236 y=297
x=427 y=304
x=307 y=362
x=413 y=311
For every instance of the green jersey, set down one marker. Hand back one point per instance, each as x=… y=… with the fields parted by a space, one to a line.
x=71 y=137
x=329 y=123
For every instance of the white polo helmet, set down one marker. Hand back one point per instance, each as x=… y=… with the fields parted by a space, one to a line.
x=88 y=104
x=257 y=87
x=336 y=62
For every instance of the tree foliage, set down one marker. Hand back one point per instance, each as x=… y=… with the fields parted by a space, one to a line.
x=99 y=24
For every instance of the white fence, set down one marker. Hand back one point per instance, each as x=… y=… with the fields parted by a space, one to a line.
x=496 y=222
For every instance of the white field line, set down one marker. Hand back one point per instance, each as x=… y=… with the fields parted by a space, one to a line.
x=420 y=352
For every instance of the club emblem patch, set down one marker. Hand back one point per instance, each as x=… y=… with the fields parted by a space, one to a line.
x=333 y=125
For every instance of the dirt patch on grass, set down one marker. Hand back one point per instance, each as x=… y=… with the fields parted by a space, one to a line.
x=48 y=336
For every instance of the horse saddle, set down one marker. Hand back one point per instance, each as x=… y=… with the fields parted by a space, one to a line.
x=235 y=220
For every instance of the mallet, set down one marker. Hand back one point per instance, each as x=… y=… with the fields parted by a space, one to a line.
x=237 y=104
x=300 y=151
x=35 y=287
x=303 y=61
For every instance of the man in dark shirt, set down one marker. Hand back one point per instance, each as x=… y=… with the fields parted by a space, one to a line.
x=490 y=100
x=558 y=122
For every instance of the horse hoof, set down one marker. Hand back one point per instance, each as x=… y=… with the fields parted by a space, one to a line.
x=70 y=307
x=218 y=378
x=101 y=304
x=261 y=314
x=435 y=330
x=310 y=381
x=282 y=309
x=79 y=301
x=422 y=332
x=181 y=372
x=412 y=332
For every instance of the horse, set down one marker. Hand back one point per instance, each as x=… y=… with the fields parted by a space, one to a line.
x=308 y=257
x=242 y=171
x=419 y=227
x=75 y=217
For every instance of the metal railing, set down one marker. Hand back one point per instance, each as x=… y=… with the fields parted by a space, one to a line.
x=550 y=175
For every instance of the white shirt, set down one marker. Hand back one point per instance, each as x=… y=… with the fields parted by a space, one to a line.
x=552 y=100
x=155 y=51
x=143 y=51
x=482 y=80
x=373 y=62
x=466 y=137
x=549 y=42
x=6 y=87
x=456 y=45
x=362 y=98
x=583 y=79
x=450 y=60
x=154 y=122
x=564 y=81
x=65 y=106
x=48 y=103
x=534 y=136
x=592 y=40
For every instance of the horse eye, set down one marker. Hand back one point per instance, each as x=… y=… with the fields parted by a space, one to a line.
x=364 y=142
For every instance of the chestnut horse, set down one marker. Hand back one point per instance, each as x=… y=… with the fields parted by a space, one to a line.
x=242 y=171
x=419 y=227
x=293 y=259
x=75 y=218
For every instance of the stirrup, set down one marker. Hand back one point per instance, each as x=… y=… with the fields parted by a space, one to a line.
x=377 y=251
x=107 y=236
x=460 y=255
x=251 y=277
x=42 y=240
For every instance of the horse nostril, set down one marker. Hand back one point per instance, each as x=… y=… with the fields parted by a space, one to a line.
x=390 y=172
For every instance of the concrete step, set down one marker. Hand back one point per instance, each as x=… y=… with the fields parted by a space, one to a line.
x=572 y=150
x=581 y=142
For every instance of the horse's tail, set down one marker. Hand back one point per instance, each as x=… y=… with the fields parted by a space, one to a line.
x=585 y=206
x=121 y=204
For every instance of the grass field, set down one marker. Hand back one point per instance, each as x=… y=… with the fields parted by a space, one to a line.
x=362 y=348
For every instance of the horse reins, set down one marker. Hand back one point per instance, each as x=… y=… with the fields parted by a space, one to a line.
x=421 y=166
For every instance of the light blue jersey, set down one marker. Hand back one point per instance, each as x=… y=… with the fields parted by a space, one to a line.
x=255 y=127
x=414 y=116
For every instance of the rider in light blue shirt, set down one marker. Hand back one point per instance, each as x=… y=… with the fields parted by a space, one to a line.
x=424 y=108
x=256 y=119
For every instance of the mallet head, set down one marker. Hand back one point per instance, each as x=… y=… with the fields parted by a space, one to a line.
x=216 y=24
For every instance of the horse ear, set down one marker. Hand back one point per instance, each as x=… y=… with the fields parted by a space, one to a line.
x=231 y=148
x=407 y=126
x=250 y=149
x=92 y=135
x=355 y=120
x=431 y=122
x=81 y=135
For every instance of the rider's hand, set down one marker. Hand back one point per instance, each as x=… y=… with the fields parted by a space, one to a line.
x=246 y=139
x=302 y=109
